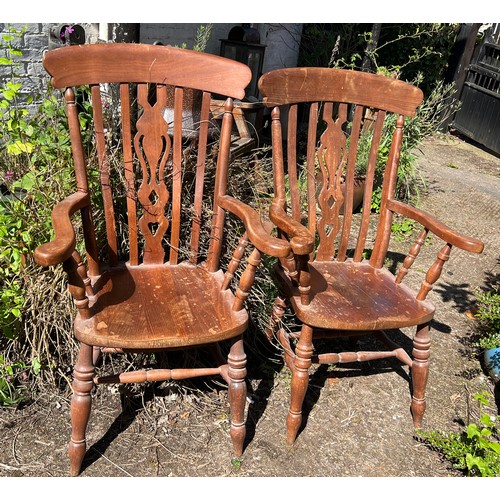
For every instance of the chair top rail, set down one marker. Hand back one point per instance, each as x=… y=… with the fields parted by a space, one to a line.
x=141 y=63
x=294 y=85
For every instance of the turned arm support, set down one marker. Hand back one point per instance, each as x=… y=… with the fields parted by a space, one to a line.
x=450 y=237
x=62 y=246
x=255 y=230
x=438 y=228
x=301 y=239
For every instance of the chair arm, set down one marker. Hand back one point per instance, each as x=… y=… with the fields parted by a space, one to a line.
x=301 y=239
x=62 y=246
x=438 y=228
x=256 y=232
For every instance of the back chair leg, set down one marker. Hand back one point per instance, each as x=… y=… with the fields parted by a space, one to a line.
x=300 y=381
x=276 y=315
x=237 y=372
x=420 y=372
x=80 y=406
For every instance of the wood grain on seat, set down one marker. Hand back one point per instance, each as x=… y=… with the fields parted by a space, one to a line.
x=154 y=307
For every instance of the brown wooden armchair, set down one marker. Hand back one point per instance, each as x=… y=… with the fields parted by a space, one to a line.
x=333 y=289
x=166 y=294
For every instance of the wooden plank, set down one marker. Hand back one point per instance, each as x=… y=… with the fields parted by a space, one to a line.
x=176 y=177
x=292 y=162
x=129 y=174
x=200 y=177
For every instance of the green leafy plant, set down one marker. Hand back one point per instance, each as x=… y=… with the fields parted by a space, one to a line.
x=13 y=379
x=203 y=34
x=488 y=313
x=476 y=450
x=35 y=174
x=402 y=50
x=402 y=228
x=237 y=463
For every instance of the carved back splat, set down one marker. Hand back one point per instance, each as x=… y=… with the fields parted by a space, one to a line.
x=331 y=156
x=152 y=145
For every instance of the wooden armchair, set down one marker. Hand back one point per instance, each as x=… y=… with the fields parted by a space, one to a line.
x=333 y=288
x=166 y=293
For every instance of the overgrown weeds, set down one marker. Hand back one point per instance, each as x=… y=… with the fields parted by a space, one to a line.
x=476 y=450
x=35 y=173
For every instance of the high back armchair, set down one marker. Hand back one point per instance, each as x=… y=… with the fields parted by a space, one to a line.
x=150 y=280
x=335 y=285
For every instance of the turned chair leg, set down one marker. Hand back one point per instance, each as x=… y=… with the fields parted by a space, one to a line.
x=420 y=372
x=237 y=394
x=80 y=407
x=300 y=381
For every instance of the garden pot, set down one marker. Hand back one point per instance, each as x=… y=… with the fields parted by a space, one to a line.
x=191 y=113
x=492 y=363
x=359 y=190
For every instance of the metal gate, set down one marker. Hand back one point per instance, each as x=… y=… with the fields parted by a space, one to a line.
x=479 y=116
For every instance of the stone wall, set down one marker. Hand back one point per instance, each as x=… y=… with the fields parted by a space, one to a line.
x=34 y=43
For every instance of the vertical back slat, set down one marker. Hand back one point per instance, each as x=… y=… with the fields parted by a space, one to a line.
x=176 y=177
x=200 y=176
x=292 y=162
x=388 y=188
x=349 y=182
x=104 y=175
x=129 y=173
x=311 y=176
x=152 y=146
x=369 y=179
x=215 y=246
x=81 y=181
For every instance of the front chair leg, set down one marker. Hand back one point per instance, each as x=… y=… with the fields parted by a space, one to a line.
x=420 y=372
x=80 y=406
x=237 y=394
x=300 y=381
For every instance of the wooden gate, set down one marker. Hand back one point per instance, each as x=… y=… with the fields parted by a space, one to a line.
x=479 y=116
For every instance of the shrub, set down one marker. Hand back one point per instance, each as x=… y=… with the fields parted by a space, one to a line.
x=35 y=173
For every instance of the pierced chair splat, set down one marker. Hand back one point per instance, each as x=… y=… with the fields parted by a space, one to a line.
x=151 y=277
x=336 y=285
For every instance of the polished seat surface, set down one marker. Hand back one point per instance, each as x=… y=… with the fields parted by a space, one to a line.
x=360 y=295
x=152 y=307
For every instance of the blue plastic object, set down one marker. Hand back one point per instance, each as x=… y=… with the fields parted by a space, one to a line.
x=492 y=363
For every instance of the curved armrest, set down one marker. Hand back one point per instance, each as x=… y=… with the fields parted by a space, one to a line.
x=301 y=239
x=438 y=228
x=62 y=246
x=257 y=234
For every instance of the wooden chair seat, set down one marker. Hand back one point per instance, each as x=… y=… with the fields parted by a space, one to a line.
x=356 y=296
x=152 y=307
